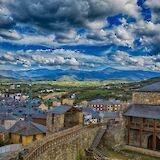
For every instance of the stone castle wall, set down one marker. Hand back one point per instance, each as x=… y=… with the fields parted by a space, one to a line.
x=69 y=144
x=150 y=98
x=54 y=123
x=71 y=149
x=114 y=136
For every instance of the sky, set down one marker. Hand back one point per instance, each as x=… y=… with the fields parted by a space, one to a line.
x=80 y=34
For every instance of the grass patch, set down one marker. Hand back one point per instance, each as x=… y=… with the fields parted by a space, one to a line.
x=125 y=155
x=55 y=94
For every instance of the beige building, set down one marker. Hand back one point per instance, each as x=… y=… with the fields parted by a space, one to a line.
x=25 y=132
x=108 y=105
x=68 y=101
x=7 y=120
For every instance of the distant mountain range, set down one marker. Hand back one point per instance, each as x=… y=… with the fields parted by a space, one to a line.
x=6 y=79
x=73 y=75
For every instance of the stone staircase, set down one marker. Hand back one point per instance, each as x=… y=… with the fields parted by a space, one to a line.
x=92 y=152
x=98 y=137
x=95 y=155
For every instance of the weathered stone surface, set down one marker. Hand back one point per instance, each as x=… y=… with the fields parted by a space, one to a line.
x=114 y=136
x=150 y=98
x=142 y=151
x=71 y=149
x=54 y=123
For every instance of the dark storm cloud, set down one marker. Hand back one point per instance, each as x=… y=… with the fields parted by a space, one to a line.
x=6 y=25
x=51 y=14
x=6 y=22
x=61 y=14
x=57 y=16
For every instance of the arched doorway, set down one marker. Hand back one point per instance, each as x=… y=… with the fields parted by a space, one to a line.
x=157 y=143
x=150 y=143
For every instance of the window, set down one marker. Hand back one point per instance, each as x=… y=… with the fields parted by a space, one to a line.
x=34 y=137
x=20 y=139
x=10 y=135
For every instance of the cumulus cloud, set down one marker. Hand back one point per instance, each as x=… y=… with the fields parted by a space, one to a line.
x=46 y=58
x=149 y=35
x=55 y=23
x=10 y=34
x=58 y=21
x=119 y=35
x=6 y=24
x=37 y=39
x=7 y=57
x=154 y=5
x=125 y=60
x=61 y=16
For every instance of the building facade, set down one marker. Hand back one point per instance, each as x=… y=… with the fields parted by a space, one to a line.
x=63 y=117
x=143 y=118
x=108 y=105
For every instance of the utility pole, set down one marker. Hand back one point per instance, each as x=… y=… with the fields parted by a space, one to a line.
x=30 y=99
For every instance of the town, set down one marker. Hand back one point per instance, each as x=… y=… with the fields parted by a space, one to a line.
x=33 y=121
x=79 y=79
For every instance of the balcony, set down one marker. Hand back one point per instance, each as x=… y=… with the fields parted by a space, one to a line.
x=146 y=126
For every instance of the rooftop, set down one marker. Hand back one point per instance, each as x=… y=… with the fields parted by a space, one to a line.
x=60 y=109
x=39 y=115
x=109 y=114
x=27 y=128
x=105 y=102
x=91 y=111
x=154 y=87
x=100 y=114
x=5 y=116
x=145 y=111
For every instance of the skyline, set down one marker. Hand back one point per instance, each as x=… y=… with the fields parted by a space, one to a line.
x=82 y=35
